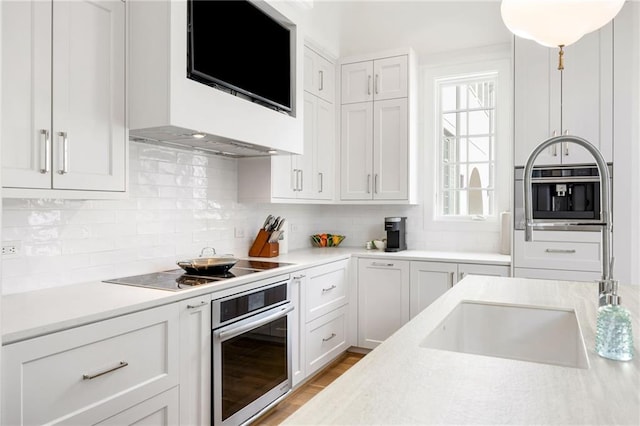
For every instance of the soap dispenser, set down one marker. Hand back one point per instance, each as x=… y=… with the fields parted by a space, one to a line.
x=614 y=338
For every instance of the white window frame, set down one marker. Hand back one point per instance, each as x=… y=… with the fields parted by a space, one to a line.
x=503 y=171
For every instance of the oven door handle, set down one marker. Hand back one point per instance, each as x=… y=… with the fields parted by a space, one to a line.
x=236 y=331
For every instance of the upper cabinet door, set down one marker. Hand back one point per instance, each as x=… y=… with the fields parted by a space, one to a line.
x=391 y=150
x=356 y=153
x=587 y=95
x=390 y=79
x=357 y=82
x=319 y=75
x=324 y=151
x=89 y=135
x=26 y=94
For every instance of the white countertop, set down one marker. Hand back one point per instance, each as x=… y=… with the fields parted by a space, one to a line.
x=400 y=382
x=30 y=314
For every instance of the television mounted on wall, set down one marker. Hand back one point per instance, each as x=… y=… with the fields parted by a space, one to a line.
x=235 y=46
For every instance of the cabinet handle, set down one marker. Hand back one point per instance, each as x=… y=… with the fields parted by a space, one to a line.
x=451 y=278
x=377 y=84
x=560 y=251
x=47 y=151
x=554 y=147
x=321 y=81
x=369 y=86
x=386 y=265
x=296 y=186
x=65 y=153
x=565 y=145
x=120 y=365
x=199 y=305
x=375 y=183
x=299 y=277
x=368 y=184
x=326 y=339
x=324 y=290
x=321 y=182
x=301 y=179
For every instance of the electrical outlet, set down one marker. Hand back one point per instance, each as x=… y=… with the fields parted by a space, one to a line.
x=238 y=232
x=10 y=248
x=294 y=227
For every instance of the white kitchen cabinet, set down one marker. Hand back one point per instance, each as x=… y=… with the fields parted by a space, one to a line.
x=375 y=151
x=63 y=100
x=558 y=252
x=383 y=299
x=319 y=75
x=555 y=274
x=309 y=177
x=298 y=330
x=88 y=374
x=195 y=360
x=324 y=295
x=578 y=101
x=378 y=79
x=465 y=269
x=377 y=131
x=160 y=410
x=429 y=280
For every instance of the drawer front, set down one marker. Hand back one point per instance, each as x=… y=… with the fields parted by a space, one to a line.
x=112 y=363
x=326 y=339
x=549 y=251
x=326 y=289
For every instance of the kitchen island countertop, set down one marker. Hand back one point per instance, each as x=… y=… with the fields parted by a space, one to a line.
x=400 y=382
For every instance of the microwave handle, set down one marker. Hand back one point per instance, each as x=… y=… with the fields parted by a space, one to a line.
x=236 y=331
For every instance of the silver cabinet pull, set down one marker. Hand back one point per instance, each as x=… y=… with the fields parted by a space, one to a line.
x=47 y=152
x=65 y=153
x=296 y=180
x=120 y=365
x=199 y=305
x=324 y=290
x=377 y=84
x=301 y=179
x=321 y=88
x=554 y=147
x=452 y=277
x=326 y=339
x=565 y=145
x=321 y=182
x=560 y=251
x=368 y=184
x=375 y=183
x=386 y=265
x=299 y=277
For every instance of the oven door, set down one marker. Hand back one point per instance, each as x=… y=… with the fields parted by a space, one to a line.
x=251 y=365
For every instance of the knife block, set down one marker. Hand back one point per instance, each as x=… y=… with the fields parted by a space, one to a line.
x=262 y=248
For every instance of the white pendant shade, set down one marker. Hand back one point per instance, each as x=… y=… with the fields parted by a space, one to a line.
x=555 y=23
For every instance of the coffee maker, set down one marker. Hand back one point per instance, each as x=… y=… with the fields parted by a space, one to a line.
x=396 y=233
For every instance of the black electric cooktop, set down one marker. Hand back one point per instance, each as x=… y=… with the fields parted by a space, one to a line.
x=178 y=279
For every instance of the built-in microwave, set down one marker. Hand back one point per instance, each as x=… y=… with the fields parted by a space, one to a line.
x=570 y=192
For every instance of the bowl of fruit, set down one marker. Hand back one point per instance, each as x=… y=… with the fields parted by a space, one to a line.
x=326 y=240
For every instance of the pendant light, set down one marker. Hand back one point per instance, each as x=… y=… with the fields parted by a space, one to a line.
x=557 y=23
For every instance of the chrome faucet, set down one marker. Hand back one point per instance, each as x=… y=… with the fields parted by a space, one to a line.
x=607 y=287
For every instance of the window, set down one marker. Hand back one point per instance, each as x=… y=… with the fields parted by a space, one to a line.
x=466 y=138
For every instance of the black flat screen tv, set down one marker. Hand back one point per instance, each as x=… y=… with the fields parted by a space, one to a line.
x=238 y=48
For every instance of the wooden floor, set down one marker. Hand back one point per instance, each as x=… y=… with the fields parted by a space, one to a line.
x=305 y=392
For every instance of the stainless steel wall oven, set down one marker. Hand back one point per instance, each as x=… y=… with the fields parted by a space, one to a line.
x=251 y=352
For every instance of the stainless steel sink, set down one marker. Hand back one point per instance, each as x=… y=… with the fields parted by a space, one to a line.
x=526 y=333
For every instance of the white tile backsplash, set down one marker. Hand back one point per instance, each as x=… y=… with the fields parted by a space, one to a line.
x=180 y=201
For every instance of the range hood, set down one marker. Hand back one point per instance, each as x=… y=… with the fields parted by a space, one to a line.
x=179 y=137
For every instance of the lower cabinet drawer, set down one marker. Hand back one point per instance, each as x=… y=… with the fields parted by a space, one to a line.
x=160 y=410
x=579 y=251
x=326 y=289
x=326 y=337
x=103 y=367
